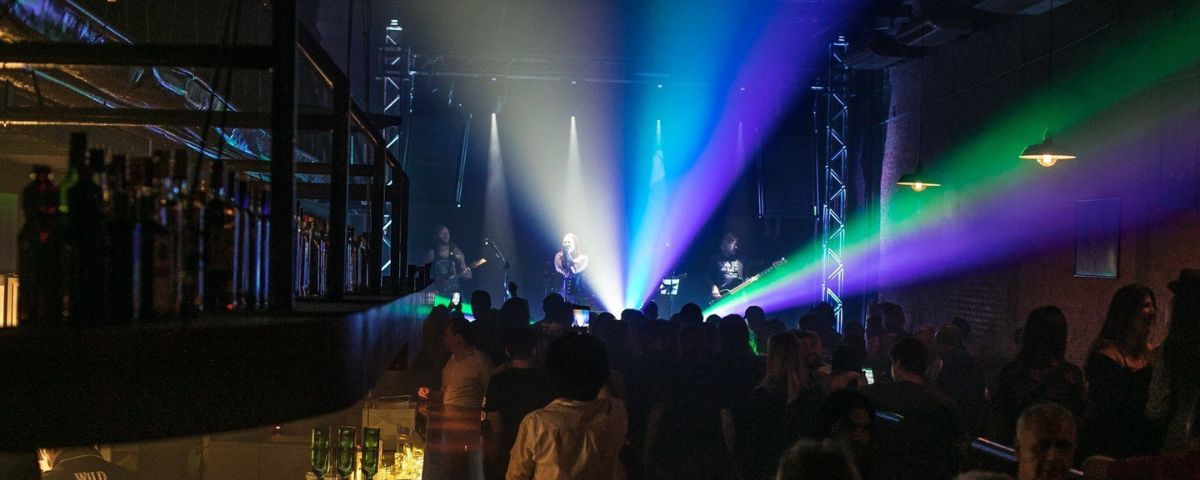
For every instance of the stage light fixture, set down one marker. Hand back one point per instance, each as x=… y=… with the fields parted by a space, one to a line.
x=1046 y=153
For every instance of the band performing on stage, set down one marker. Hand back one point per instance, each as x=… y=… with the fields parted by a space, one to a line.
x=725 y=272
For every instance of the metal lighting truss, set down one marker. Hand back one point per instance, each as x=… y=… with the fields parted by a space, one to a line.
x=833 y=94
x=397 y=101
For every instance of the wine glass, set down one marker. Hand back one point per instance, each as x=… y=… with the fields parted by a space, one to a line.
x=370 y=452
x=345 y=451
x=320 y=450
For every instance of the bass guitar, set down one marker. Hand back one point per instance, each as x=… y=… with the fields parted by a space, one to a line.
x=749 y=281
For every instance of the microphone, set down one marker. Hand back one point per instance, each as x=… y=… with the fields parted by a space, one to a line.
x=486 y=241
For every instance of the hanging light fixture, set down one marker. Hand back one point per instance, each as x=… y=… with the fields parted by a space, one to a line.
x=1047 y=153
x=917 y=179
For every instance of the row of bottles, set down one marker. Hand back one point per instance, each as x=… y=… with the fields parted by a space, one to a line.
x=140 y=239
x=312 y=257
x=143 y=239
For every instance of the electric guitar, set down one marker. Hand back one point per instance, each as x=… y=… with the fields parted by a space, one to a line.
x=742 y=286
x=450 y=284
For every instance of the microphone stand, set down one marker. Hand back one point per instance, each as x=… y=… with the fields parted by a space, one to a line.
x=503 y=263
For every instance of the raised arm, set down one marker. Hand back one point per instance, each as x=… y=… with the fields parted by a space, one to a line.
x=581 y=264
x=558 y=264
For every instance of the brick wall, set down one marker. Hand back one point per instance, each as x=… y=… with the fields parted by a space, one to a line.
x=967 y=83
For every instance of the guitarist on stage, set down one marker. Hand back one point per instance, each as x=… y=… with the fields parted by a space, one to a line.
x=726 y=269
x=448 y=265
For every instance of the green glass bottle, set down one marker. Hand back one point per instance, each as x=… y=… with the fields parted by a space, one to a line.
x=39 y=247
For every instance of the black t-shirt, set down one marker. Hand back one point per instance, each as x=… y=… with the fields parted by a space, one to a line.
x=516 y=392
x=726 y=271
x=772 y=425
x=444 y=270
x=924 y=444
x=72 y=465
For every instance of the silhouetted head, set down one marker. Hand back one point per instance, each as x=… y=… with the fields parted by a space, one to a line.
x=578 y=366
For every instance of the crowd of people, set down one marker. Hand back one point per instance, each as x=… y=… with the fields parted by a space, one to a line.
x=744 y=397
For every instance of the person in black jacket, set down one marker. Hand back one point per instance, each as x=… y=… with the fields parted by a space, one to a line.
x=81 y=462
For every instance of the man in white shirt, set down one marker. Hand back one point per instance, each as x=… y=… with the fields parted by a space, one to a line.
x=578 y=436
x=465 y=376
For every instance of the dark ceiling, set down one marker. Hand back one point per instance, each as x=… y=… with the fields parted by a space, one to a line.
x=657 y=36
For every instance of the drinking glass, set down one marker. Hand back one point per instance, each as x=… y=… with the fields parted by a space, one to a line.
x=345 y=451
x=320 y=450
x=370 y=452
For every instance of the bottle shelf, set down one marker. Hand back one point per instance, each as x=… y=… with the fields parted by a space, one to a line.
x=70 y=385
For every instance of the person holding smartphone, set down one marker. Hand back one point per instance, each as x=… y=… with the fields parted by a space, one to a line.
x=581 y=317
x=465 y=375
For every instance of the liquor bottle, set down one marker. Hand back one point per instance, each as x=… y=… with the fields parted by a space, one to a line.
x=254 y=264
x=39 y=244
x=120 y=231
x=155 y=290
x=364 y=272
x=265 y=251
x=306 y=243
x=191 y=200
x=171 y=174
x=76 y=160
x=235 y=192
x=220 y=243
x=322 y=253
x=314 y=257
x=298 y=244
x=88 y=242
x=352 y=258
x=246 y=242
x=170 y=216
x=324 y=258
x=76 y=163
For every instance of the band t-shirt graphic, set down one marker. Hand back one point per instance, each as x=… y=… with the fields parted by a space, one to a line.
x=444 y=271
x=726 y=272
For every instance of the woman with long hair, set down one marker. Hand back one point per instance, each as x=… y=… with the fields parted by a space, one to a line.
x=786 y=373
x=1039 y=373
x=570 y=263
x=1118 y=373
x=781 y=408
x=1175 y=387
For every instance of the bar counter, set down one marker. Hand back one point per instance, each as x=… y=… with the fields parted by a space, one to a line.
x=75 y=386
